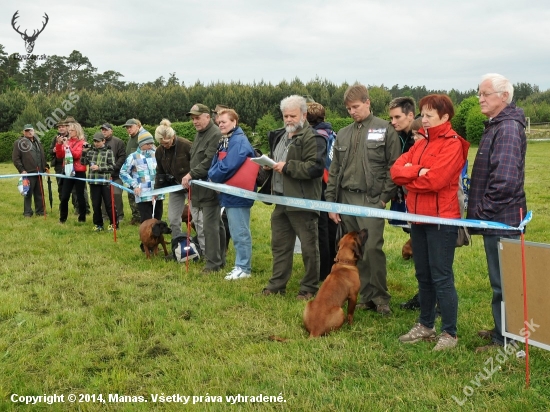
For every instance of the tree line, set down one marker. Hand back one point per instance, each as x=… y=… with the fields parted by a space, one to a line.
x=43 y=91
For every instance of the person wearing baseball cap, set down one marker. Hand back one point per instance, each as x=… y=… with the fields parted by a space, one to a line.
x=211 y=229
x=119 y=151
x=28 y=157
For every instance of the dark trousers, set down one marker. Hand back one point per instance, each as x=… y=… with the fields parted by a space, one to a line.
x=68 y=186
x=133 y=207
x=146 y=210
x=434 y=252
x=493 y=265
x=326 y=258
x=35 y=191
x=285 y=226
x=101 y=194
x=118 y=202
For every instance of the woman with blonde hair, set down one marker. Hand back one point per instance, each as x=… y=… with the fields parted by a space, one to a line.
x=64 y=148
x=173 y=158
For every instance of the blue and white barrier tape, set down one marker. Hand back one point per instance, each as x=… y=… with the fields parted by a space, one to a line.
x=361 y=211
x=329 y=207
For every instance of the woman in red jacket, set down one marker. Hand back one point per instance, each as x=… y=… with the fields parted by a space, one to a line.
x=74 y=143
x=430 y=171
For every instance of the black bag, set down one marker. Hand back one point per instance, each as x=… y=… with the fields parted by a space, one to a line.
x=183 y=248
x=263 y=175
x=464 y=238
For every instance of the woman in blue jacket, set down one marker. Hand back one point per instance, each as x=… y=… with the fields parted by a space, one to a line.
x=237 y=148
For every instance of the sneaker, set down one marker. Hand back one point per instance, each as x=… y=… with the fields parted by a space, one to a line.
x=417 y=333
x=303 y=295
x=111 y=228
x=445 y=342
x=98 y=228
x=412 y=304
x=237 y=273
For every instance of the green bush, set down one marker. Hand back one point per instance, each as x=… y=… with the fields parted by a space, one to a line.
x=340 y=122
x=6 y=145
x=461 y=114
x=474 y=125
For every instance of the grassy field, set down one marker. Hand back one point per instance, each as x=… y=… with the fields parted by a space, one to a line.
x=82 y=315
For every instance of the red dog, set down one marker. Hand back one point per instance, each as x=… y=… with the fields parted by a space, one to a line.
x=151 y=234
x=324 y=313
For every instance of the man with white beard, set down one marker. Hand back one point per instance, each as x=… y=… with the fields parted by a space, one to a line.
x=299 y=154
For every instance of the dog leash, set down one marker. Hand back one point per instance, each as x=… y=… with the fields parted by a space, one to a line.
x=154 y=204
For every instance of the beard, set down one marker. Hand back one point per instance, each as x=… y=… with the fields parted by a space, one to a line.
x=294 y=127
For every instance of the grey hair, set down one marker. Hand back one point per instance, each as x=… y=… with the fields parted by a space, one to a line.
x=293 y=102
x=500 y=84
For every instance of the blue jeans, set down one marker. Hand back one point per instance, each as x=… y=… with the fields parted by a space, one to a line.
x=493 y=265
x=239 y=227
x=434 y=252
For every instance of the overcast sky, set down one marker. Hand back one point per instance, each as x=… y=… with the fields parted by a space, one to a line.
x=438 y=44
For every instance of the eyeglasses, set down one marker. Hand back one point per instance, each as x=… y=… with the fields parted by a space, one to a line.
x=485 y=95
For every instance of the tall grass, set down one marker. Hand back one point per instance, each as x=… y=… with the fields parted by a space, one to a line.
x=80 y=314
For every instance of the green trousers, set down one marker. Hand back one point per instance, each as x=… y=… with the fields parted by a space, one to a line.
x=285 y=226
x=372 y=268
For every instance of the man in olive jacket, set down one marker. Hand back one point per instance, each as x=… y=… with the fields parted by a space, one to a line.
x=300 y=155
x=28 y=157
x=359 y=175
x=204 y=148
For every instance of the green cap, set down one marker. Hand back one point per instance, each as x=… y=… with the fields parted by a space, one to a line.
x=130 y=122
x=98 y=136
x=198 y=109
x=28 y=126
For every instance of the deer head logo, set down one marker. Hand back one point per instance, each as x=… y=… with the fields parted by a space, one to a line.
x=29 y=40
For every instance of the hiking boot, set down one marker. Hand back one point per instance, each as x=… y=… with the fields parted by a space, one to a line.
x=303 y=295
x=98 y=228
x=237 y=273
x=383 y=309
x=370 y=305
x=445 y=342
x=412 y=304
x=417 y=333
x=486 y=334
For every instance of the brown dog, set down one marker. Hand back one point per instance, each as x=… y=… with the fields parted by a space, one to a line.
x=151 y=234
x=325 y=313
x=407 y=250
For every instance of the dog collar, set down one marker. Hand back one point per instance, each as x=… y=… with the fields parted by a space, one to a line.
x=346 y=262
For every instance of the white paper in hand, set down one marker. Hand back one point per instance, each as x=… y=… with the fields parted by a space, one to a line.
x=263 y=160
